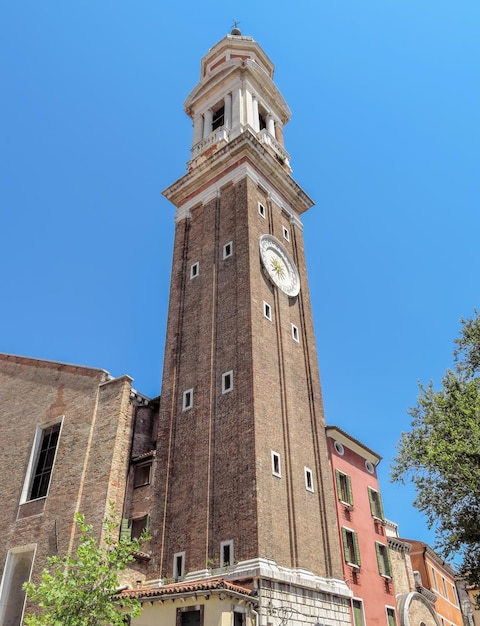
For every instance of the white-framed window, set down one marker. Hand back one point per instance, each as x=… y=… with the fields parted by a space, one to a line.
x=178 y=565
x=261 y=209
x=383 y=560
x=226 y=553
x=351 y=550
x=194 y=269
x=18 y=569
x=228 y=250
x=308 y=479
x=344 y=487
x=376 y=505
x=391 y=617
x=358 y=614
x=295 y=333
x=267 y=311
x=42 y=460
x=434 y=578
x=286 y=233
x=339 y=449
x=227 y=381
x=187 y=401
x=276 y=467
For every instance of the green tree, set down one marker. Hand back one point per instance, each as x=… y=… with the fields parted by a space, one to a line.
x=78 y=589
x=441 y=454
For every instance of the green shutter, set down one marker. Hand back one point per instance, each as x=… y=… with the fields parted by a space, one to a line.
x=357 y=613
x=339 y=485
x=372 y=502
x=389 y=563
x=349 y=490
x=379 y=558
x=357 y=550
x=391 y=617
x=380 y=506
x=125 y=530
x=346 y=551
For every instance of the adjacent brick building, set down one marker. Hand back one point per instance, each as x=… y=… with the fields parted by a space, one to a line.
x=65 y=436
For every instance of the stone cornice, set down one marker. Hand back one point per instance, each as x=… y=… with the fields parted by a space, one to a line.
x=242 y=156
x=397 y=545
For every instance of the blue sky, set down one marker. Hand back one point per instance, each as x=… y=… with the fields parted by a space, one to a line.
x=384 y=136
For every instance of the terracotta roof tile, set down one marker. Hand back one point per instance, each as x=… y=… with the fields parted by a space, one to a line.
x=210 y=584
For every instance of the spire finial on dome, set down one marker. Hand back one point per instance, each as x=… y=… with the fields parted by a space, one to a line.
x=235 y=29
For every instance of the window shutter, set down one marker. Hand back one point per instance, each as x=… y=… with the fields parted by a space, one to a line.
x=125 y=530
x=372 y=502
x=339 y=485
x=349 y=491
x=380 y=506
x=346 y=551
x=379 y=558
x=388 y=563
x=357 y=550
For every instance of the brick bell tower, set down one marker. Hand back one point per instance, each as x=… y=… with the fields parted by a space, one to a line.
x=242 y=482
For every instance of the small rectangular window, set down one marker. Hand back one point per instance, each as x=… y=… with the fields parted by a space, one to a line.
x=261 y=209
x=308 y=479
x=383 y=560
x=139 y=525
x=226 y=553
x=286 y=234
x=190 y=615
x=295 y=335
x=238 y=618
x=344 y=487
x=228 y=250
x=141 y=474
x=178 y=565
x=194 y=270
x=227 y=381
x=391 y=619
x=267 y=311
x=434 y=579
x=218 y=118
x=187 y=399
x=376 y=506
x=276 y=468
x=351 y=550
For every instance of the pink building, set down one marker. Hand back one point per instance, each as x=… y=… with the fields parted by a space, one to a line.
x=366 y=563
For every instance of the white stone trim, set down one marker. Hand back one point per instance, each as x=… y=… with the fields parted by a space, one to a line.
x=235 y=176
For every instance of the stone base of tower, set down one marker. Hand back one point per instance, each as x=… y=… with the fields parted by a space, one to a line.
x=288 y=596
x=252 y=593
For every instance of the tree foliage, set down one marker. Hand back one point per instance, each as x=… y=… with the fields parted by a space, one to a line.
x=441 y=454
x=78 y=589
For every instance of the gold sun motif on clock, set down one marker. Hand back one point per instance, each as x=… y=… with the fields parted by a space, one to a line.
x=277 y=267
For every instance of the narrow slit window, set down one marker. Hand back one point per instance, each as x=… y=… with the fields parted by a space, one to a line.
x=286 y=234
x=261 y=209
x=194 y=270
x=178 y=565
x=295 y=334
x=228 y=250
x=276 y=468
x=227 y=381
x=187 y=399
x=267 y=311
x=226 y=553
x=308 y=479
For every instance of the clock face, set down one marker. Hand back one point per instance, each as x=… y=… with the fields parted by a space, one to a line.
x=279 y=265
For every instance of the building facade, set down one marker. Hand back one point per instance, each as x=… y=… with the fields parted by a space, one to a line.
x=65 y=435
x=367 y=566
x=438 y=577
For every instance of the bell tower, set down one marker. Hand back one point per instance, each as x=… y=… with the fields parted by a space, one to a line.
x=243 y=487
